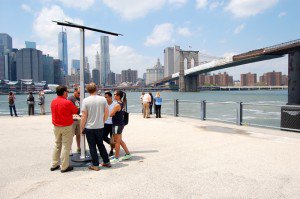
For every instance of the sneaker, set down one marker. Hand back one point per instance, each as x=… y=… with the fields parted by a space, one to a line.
x=127 y=156
x=115 y=160
x=67 y=169
x=108 y=165
x=111 y=153
x=95 y=168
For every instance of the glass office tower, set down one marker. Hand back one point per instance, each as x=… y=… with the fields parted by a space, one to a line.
x=63 y=51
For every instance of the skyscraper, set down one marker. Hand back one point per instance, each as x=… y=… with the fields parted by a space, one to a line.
x=30 y=44
x=5 y=43
x=30 y=64
x=97 y=64
x=63 y=50
x=171 y=60
x=104 y=59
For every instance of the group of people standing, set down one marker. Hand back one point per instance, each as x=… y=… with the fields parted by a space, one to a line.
x=30 y=102
x=100 y=117
x=147 y=101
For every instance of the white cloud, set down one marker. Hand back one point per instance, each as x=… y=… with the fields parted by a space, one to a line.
x=47 y=32
x=213 y=5
x=184 y=32
x=247 y=8
x=239 y=29
x=133 y=9
x=26 y=8
x=124 y=57
x=161 y=34
x=201 y=4
x=82 y=4
x=282 y=14
x=178 y=3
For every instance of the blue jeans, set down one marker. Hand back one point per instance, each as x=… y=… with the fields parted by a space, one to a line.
x=12 y=107
x=95 y=138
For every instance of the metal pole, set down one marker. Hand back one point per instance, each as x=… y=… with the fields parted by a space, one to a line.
x=239 y=113
x=203 y=110
x=176 y=108
x=82 y=88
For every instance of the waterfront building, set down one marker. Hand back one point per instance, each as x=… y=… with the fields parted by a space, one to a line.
x=75 y=66
x=72 y=79
x=104 y=59
x=48 y=69
x=284 y=80
x=218 y=79
x=63 y=50
x=171 y=60
x=129 y=75
x=248 y=79
x=201 y=80
x=87 y=76
x=154 y=74
x=118 y=78
x=2 y=67
x=111 y=78
x=5 y=43
x=58 y=72
x=271 y=79
x=96 y=76
x=29 y=64
x=30 y=44
x=97 y=64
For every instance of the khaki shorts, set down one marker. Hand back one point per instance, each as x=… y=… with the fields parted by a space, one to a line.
x=76 y=127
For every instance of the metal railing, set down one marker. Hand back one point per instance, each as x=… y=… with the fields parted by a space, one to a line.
x=239 y=113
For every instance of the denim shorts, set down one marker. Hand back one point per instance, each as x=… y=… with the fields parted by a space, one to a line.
x=117 y=129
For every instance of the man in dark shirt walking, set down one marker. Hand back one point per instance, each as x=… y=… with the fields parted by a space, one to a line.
x=62 y=118
x=75 y=99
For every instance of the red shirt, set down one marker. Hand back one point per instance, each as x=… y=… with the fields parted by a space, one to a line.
x=62 y=111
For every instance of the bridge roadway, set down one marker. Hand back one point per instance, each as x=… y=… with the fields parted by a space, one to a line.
x=172 y=158
x=252 y=56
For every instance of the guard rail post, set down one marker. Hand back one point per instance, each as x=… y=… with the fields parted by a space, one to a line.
x=239 y=113
x=203 y=110
x=176 y=108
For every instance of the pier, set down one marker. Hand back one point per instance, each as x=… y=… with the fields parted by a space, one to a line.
x=173 y=157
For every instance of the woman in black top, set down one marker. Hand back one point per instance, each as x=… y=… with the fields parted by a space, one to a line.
x=117 y=115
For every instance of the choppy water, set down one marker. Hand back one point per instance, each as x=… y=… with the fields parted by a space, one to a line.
x=252 y=114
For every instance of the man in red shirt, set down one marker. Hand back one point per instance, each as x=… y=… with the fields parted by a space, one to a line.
x=62 y=118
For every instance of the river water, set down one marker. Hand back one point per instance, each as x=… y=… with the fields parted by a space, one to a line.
x=256 y=112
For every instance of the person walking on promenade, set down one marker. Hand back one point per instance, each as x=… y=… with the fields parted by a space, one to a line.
x=108 y=123
x=117 y=115
x=62 y=118
x=42 y=102
x=141 y=99
x=75 y=99
x=151 y=103
x=30 y=102
x=158 y=101
x=11 y=101
x=146 y=103
x=94 y=113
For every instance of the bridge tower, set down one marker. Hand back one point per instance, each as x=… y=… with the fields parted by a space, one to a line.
x=188 y=83
x=290 y=116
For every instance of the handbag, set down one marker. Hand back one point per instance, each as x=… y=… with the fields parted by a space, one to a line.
x=126 y=117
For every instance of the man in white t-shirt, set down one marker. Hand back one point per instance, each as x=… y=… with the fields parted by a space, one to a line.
x=146 y=104
x=94 y=114
x=108 y=123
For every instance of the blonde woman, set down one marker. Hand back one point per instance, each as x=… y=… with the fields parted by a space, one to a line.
x=158 y=102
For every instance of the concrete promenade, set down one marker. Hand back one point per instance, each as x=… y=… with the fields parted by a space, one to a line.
x=172 y=158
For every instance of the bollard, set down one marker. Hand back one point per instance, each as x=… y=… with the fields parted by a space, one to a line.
x=203 y=110
x=239 y=113
x=176 y=108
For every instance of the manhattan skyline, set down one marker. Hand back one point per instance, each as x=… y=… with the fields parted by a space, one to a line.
x=216 y=28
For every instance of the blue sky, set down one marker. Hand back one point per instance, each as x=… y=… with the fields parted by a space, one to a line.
x=214 y=27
